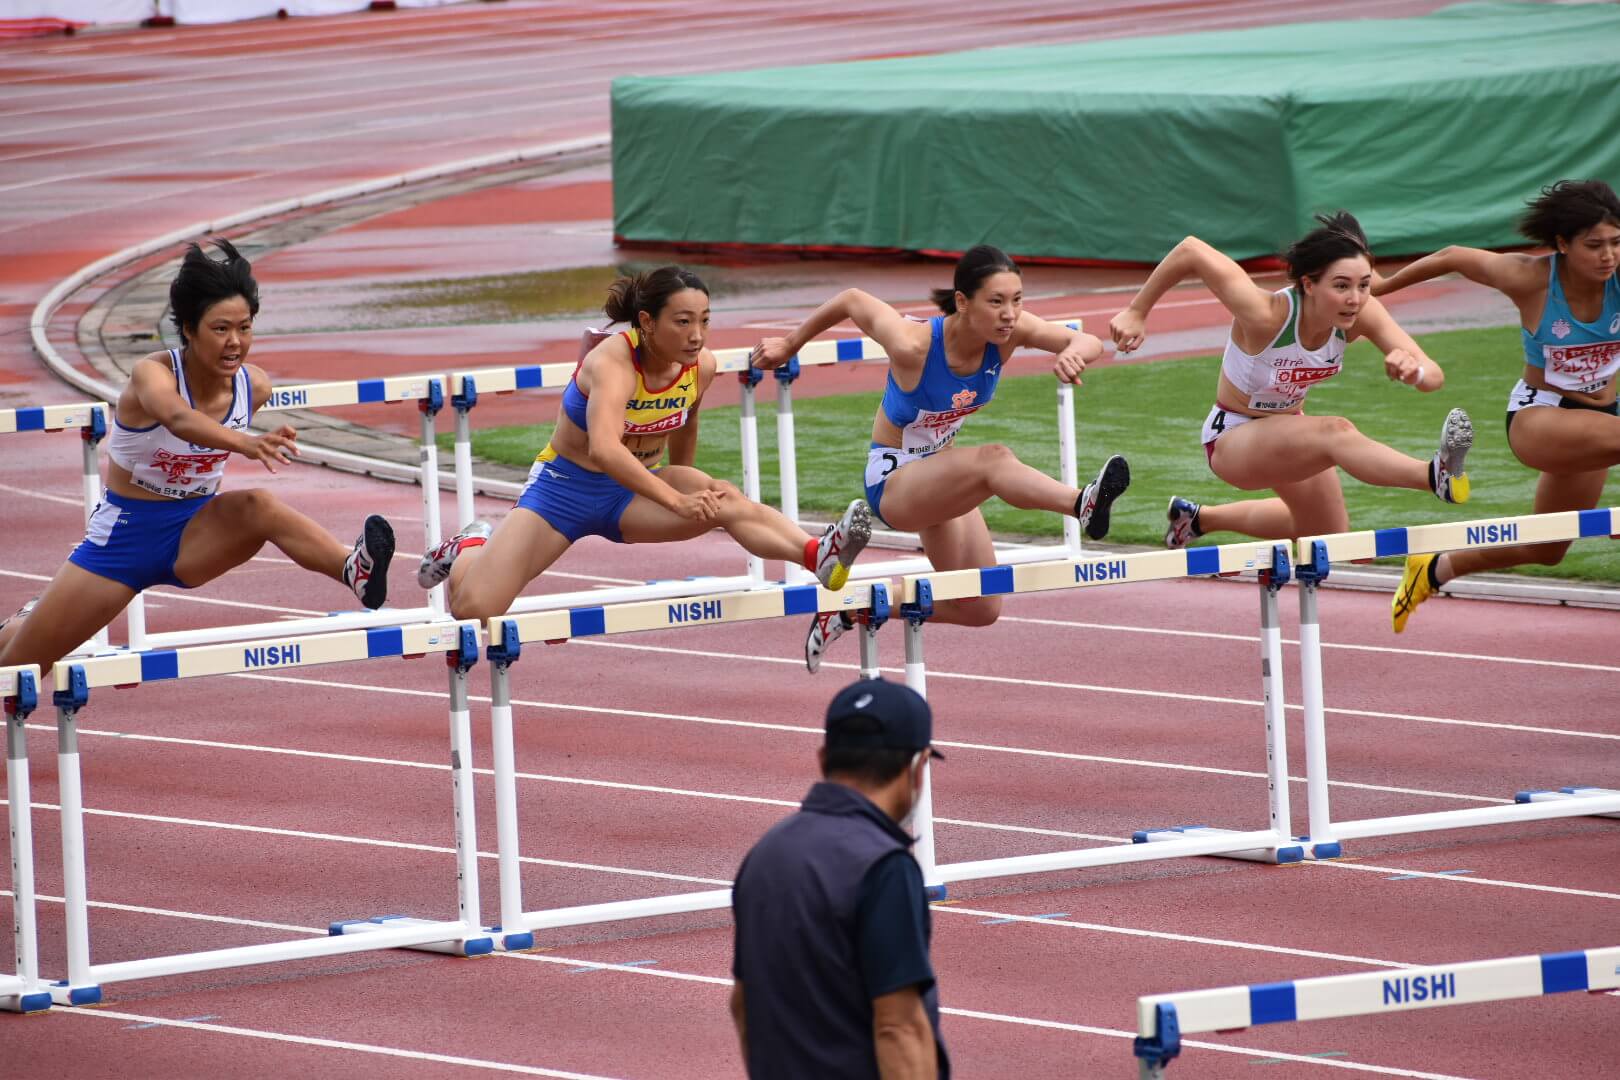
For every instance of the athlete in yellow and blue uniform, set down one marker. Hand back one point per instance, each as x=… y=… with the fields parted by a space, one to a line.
x=633 y=399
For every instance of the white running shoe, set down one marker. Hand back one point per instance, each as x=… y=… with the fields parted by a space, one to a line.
x=436 y=564
x=1446 y=477
x=1099 y=496
x=843 y=540
x=366 y=569
x=1183 y=517
x=825 y=629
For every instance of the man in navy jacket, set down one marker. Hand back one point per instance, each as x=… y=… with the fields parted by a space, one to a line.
x=832 y=929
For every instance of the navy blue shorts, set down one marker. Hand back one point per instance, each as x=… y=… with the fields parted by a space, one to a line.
x=576 y=501
x=136 y=541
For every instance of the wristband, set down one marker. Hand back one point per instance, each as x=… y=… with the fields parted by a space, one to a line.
x=1417 y=383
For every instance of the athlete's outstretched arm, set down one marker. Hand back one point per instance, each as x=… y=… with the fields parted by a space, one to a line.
x=1072 y=349
x=1510 y=273
x=151 y=390
x=1247 y=302
x=897 y=335
x=1404 y=359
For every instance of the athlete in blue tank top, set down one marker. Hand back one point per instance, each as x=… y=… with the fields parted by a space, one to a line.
x=1561 y=415
x=940 y=373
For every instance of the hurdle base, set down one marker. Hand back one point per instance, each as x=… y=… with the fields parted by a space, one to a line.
x=516 y=942
x=1281 y=854
x=33 y=1001
x=468 y=946
x=62 y=993
x=935 y=893
x=1567 y=794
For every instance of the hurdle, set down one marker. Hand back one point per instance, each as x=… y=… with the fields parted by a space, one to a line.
x=1275 y=843
x=89 y=418
x=457 y=642
x=21 y=990
x=1316 y=555
x=510 y=633
x=1161 y=1019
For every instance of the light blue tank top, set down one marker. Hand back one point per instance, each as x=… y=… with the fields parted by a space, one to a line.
x=929 y=416
x=1578 y=356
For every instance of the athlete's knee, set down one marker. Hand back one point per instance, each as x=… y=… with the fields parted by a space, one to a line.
x=470 y=600
x=979 y=610
x=1339 y=427
x=1548 y=554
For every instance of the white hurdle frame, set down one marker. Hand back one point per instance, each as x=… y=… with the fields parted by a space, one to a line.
x=1316 y=554
x=918 y=594
x=21 y=990
x=510 y=633
x=91 y=420
x=74 y=682
x=1161 y=1019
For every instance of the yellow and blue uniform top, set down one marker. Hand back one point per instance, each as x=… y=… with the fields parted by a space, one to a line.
x=650 y=410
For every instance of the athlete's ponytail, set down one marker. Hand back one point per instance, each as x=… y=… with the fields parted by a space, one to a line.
x=1338 y=236
x=1569 y=207
x=972 y=268
x=203 y=282
x=648 y=291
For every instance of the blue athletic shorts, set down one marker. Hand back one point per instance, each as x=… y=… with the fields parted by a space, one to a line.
x=576 y=501
x=136 y=541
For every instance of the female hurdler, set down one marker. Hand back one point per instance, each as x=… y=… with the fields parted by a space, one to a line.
x=941 y=372
x=633 y=396
x=1561 y=417
x=180 y=417
x=1257 y=435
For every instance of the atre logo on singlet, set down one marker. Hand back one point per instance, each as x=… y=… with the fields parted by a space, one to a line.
x=1561 y=329
x=183 y=469
x=963 y=398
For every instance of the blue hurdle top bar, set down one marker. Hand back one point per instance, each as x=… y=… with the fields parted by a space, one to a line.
x=78 y=414
x=632 y=616
x=1461 y=535
x=1103 y=570
x=1162 y=1018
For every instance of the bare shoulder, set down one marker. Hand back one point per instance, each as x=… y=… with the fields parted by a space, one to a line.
x=259 y=380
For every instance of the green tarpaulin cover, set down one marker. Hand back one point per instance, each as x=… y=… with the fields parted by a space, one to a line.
x=1432 y=130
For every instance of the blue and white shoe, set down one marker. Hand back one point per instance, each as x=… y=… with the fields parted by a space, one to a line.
x=1183 y=518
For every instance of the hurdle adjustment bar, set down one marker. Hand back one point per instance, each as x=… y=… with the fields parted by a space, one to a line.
x=1569 y=793
x=21 y=991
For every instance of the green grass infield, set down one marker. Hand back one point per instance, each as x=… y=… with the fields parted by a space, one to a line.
x=1152 y=413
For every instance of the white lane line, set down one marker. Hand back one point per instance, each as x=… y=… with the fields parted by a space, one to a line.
x=1056 y=755
x=616 y=785
x=365 y=841
x=332 y=1044
x=1210 y=635
x=1497 y=882
x=32 y=494
x=1208 y=699
x=168 y=594
x=975 y=1014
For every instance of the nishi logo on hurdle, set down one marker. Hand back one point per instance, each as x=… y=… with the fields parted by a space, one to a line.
x=1162 y=1019
x=76 y=682
x=1316 y=556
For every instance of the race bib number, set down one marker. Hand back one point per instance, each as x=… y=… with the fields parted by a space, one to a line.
x=1581 y=368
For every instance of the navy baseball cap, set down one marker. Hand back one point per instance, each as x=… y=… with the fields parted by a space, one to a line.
x=878 y=714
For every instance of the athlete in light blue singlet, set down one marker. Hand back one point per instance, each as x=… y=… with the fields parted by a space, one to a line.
x=1561 y=415
x=940 y=373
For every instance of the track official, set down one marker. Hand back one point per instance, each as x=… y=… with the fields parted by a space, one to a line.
x=832 y=971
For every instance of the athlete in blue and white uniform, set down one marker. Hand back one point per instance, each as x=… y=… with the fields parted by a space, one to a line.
x=162 y=521
x=1561 y=416
x=940 y=373
x=633 y=396
x=1257 y=435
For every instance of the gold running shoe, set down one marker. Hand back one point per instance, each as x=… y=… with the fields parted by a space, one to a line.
x=1414 y=589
